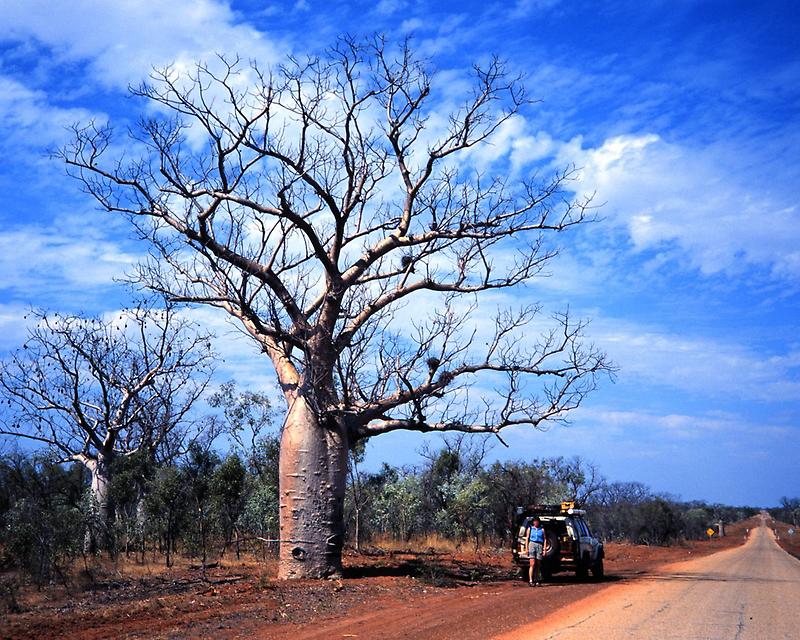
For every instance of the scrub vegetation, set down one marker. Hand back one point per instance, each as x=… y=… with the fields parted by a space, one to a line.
x=207 y=507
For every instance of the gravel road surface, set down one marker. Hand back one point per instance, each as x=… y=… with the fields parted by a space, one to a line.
x=748 y=593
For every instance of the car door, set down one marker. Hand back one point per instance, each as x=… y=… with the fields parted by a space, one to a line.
x=594 y=543
x=585 y=539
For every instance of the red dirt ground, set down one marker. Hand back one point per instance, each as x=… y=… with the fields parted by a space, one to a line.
x=789 y=541
x=387 y=595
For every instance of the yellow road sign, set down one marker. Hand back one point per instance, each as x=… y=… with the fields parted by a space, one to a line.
x=710 y=532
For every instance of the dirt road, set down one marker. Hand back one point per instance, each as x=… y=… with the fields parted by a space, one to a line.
x=751 y=592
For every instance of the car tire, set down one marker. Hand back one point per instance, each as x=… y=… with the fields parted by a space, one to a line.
x=582 y=570
x=597 y=570
x=553 y=545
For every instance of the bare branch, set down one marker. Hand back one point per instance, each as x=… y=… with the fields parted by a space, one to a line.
x=323 y=204
x=93 y=389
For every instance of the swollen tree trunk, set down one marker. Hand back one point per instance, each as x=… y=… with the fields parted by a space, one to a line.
x=313 y=481
x=98 y=533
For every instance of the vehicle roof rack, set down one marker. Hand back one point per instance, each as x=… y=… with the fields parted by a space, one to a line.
x=566 y=507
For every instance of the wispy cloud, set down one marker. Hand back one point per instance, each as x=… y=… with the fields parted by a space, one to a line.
x=389 y=7
x=29 y=120
x=689 y=206
x=241 y=359
x=13 y=326
x=696 y=365
x=690 y=203
x=524 y=8
x=62 y=263
x=121 y=41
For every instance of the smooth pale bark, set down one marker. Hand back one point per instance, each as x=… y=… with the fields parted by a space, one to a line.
x=313 y=480
x=99 y=537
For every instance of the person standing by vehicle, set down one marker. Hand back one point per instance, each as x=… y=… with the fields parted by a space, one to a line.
x=535 y=551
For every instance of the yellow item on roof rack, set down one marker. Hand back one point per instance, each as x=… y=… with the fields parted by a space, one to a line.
x=567 y=505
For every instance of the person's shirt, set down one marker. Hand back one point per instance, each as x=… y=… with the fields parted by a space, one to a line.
x=536 y=535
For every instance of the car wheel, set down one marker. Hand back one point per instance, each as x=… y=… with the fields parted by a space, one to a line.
x=552 y=544
x=597 y=570
x=582 y=570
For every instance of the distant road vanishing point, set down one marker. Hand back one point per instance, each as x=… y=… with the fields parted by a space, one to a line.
x=748 y=593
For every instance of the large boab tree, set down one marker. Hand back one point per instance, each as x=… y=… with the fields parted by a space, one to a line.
x=330 y=206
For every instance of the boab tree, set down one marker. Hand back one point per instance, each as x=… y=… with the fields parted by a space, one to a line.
x=314 y=202
x=93 y=390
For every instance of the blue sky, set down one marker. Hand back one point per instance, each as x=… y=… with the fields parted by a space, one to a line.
x=683 y=117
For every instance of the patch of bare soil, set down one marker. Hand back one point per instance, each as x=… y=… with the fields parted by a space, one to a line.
x=388 y=595
x=789 y=541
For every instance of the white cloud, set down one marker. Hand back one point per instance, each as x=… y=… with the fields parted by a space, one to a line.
x=27 y=118
x=388 y=7
x=123 y=40
x=651 y=357
x=704 y=208
x=413 y=25
x=513 y=140
x=696 y=365
x=241 y=358
x=693 y=204
x=13 y=326
x=524 y=8
x=36 y=259
x=609 y=435
x=673 y=425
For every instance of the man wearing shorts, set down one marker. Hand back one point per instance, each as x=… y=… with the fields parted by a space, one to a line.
x=536 y=548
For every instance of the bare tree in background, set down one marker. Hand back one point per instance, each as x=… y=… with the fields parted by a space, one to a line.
x=247 y=416
x=580 y=479
x=93 y=390
x=331 y=210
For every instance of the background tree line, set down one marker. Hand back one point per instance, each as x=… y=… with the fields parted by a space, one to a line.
x=455 y=495
x=788 y=511
x=209 y=504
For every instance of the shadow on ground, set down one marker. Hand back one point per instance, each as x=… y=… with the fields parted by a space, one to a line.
x=441 y=570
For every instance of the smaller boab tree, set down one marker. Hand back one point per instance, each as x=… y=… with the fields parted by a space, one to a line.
x=92 y=390
x=315 y=202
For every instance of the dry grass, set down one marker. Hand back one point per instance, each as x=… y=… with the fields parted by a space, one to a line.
x=103 y=567
x=430 y=543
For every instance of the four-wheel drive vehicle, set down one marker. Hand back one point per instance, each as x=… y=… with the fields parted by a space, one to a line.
x=572 y=546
